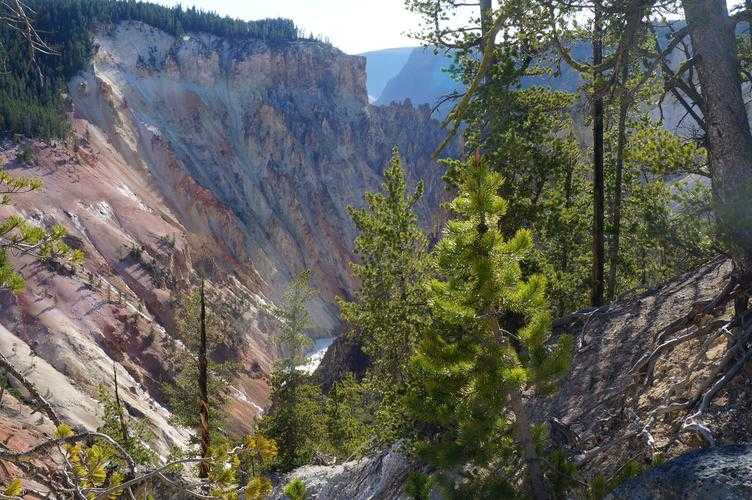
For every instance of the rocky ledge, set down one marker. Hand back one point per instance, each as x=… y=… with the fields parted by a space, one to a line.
x=382 y=475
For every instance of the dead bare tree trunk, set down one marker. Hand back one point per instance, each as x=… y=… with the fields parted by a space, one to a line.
x=203 y=385
x=728 y=134
x=121 y=416
x=597 y=290
x=3 y=381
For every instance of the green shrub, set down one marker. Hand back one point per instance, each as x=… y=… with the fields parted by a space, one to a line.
x=295 y=490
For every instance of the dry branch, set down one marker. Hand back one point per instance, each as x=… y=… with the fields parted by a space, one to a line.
x=29 y=386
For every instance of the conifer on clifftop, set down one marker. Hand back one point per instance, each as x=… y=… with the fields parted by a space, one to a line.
x=489 y=344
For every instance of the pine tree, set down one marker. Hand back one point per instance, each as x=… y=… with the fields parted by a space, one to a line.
x=489 y=344
x=295 y=320
x=296 y=418
x=390 y=308
x=131 y=433
x=350 y=410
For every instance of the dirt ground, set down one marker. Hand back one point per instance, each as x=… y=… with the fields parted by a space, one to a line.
x=608 y=413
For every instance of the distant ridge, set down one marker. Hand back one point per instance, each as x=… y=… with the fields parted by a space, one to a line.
x=382 y=66
x=423 y=79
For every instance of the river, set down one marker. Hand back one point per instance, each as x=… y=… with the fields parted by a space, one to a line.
x=316 y=354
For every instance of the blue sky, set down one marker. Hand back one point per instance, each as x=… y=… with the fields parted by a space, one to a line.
x=352 y=25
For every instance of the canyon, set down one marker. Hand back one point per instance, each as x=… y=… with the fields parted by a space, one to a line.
x=233 y=158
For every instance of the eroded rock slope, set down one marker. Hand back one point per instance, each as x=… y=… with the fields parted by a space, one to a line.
x=233 y=157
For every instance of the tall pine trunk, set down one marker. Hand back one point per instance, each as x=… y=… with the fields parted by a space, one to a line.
x=523 y=430
x=524 y=436
x=728 y=134
x=486 y=23
x=485 y=15
x=203 y=386
x=613 y=257
x=598 y=280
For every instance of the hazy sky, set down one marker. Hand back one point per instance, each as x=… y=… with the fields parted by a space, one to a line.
x=349 y=24
x=354 y=26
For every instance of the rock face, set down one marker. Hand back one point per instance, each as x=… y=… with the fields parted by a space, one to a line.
x=720 y=473
x=282 y=137
x=190 y=153
x=343 y=356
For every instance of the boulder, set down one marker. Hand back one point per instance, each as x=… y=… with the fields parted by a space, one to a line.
x=379 y=476
x=718 y=473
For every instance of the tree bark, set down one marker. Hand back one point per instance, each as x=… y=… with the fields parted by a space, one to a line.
x=485 y=15
x=728 y=133
x=597 y=290
x=613 y=258
x=203 y=385
x=486 y=27
x=522 y=428
x=527 y=446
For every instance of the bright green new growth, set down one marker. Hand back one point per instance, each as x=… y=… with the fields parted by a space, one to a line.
x=90 y=462
x=490 y=335
x=295 y=490
x=14 y=488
